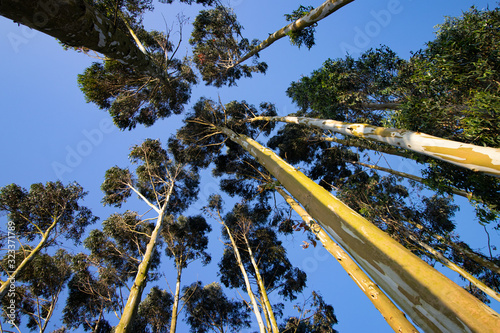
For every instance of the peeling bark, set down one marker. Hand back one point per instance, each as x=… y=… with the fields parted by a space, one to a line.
x=434 y=302
x=394 y=317
x=475 y=158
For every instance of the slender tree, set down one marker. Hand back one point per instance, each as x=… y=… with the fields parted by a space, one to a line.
x=215 y=208
x=187 y=241
x=44 y=213
x=164 y=186
x=154 y=312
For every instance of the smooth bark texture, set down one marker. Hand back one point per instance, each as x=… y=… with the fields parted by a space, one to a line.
x=175 y=307
x=76 y=23
x=434 y=302
x=134 y=298
x=6 y=284
x=319 y=13
x=250 y=293
x=394 y=317
x=262 y=289
x=476 y=158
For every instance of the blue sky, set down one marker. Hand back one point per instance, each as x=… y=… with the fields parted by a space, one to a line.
x=48 y=131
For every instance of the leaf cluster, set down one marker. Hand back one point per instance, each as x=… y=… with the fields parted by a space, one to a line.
x=33 y=212
x=304 y=36
x=207 y=308
x=217 y=46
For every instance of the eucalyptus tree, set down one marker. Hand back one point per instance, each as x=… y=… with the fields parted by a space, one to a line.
x=209 y=309
x=92 y=293
x=264 y=258
x=214 y=209
x=45 y=213
x=38 y=288
x=217 y=44
x=242 y=176
x=186 y=239
x=356 y=234
x=293 y=29
x=166 y=187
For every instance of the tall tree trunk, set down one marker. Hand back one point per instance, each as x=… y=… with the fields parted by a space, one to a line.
x=262 y=289
x=12 y=277
x=476 y=158
x=319 y=13
x=394 y=317
x=250 y=293
x=434 y=302
x=175 y=307
x=134 y=298
x=77 y=23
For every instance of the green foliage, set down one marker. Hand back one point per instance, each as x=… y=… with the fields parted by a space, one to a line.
x=207 y=308
x=38 y=287
x=456 y=79
x=156 y=173
x=32 y=212
x=132 y=97
x=304 y=36
x=154 y=313
x=350 y=89
x=202 y=139
x=217 y=45
x=274 y=267
x=90 y=296
x=187 y=240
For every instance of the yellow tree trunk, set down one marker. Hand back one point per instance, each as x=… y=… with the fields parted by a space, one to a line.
x=434 y=302
x=394 y=317
x=476 y=158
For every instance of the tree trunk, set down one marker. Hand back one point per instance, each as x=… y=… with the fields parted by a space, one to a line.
x=394 y=317
x=134 y=298
x=434 y=302
x=262 y=289
x=173 y=322
x=247 y=281
x=476 y=158
x=76 y=23
x=5 y=285
x=319 y=13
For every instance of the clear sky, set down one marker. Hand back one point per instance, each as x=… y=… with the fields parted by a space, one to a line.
x=48 y=132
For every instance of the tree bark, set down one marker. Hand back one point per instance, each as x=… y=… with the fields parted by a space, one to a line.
x=247 y=281
x=5 y=285
x=394 y=317
x=134 y=298
x=262 y=289
x=434 y=302
x=76 y=23
x=475 y=158
x=319 y=13
x=173 y=322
